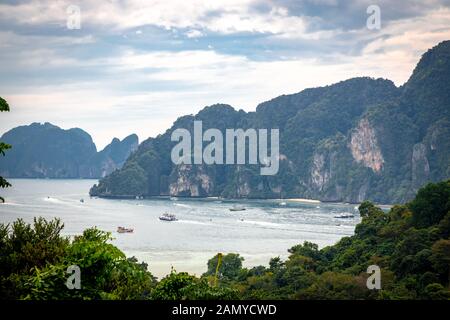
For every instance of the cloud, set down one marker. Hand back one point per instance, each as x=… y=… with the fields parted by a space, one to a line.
x=194 y=33
x=222 y=16
x=138 y=65
x=351 y=14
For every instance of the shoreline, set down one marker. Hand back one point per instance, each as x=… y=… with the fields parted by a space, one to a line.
x=215 y=198
x=130 y=197
x=303 y=200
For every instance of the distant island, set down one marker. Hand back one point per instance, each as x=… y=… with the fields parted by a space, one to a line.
x=359 y=139
x=47 y=151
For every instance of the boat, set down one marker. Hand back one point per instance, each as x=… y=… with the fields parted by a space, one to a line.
x=344 y=216
x=168 y=217
x=237 y=208
x=283 y=203
x=124 y=230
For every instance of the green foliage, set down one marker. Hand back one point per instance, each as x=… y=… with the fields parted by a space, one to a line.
x=128 y=181
x=436 y=291
x=230 y=267
x=440 y=258
x=365 y=208
x=374 y=219
x=34 y=260
x=335 y=286
x=275 y=264
x=308 y=249
x=182 y=286
x=3 y=105
x=27 y=248
x=414 y=262
x=431 y=204
x=3 y=147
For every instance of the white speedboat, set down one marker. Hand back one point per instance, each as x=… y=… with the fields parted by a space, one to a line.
x=344 y=216
x=168 y=217
x=237 y=208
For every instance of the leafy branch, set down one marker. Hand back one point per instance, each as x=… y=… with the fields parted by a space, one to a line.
x=3 y=146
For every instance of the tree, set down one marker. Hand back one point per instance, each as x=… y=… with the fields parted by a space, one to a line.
x=436 y=291
x=3 y=146
x=365 y=208
x=308 y=249
x=34 y=261
x=171 y=287
x=230 y=267
x=431 y=204
x=335 y=286
x=275 y=264
x=440 y=258
x=26 y=248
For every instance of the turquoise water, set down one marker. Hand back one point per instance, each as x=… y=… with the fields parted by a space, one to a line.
x=206 y=226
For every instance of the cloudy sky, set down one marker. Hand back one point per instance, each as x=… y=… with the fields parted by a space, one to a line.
x=135 y=66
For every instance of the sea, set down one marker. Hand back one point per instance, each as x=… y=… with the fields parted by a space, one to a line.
x=205 y=227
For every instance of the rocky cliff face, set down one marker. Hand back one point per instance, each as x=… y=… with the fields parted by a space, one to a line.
x=420 y=165
x=191 y=181
x=364 y=146
x=113 y=156
x=321 y=171
x=323 y=176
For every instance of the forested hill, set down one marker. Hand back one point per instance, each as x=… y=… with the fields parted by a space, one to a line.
x=358 y=139
x=47 y=151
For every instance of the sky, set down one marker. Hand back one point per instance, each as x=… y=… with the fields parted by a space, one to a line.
x=134 y=66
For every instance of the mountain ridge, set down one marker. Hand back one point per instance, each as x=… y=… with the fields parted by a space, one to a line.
x=358 y=139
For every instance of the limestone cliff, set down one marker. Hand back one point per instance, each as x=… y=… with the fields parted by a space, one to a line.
x=420 y=165
x=364 y=146
x=190 y=181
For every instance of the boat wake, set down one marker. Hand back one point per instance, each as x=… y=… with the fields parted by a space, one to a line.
x=182 y=205
x=195 y=222
x=263 y=223
x=53 y=200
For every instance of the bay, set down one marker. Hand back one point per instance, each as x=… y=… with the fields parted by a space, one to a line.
x=266 y=229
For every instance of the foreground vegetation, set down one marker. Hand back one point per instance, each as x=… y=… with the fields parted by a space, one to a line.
x=4 y=107
x=410 y=243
